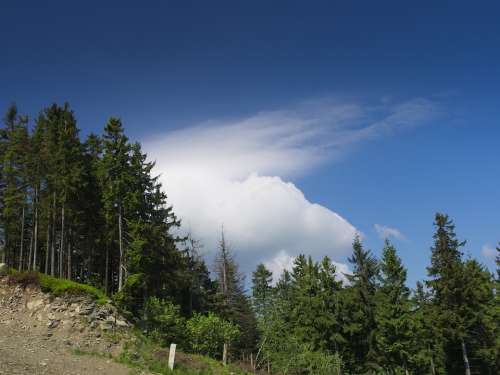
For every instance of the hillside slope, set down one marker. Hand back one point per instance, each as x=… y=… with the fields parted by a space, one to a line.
x=42 y=334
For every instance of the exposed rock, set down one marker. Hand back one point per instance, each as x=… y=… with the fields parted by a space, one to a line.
x=35 y=305
x=121 y=323
x=86 y=309
x=53 y=324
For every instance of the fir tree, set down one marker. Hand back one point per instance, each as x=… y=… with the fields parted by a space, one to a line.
x=359 y=322
x=446 y=283
x=393 y=333
x=262 y=290
x=231 y=301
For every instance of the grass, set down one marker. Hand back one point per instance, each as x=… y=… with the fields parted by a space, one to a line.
x=57 y=287
x=142 y=353
x=81 y=353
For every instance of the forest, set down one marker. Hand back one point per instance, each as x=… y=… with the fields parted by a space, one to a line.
x=91 y=210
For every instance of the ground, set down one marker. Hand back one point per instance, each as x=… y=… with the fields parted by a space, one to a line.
x=41 y=335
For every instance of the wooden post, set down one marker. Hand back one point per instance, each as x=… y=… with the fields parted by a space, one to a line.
x=224 y=354
x=171 y=356
x=268 y=367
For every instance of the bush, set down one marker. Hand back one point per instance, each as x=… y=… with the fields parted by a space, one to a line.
x=163 y=322
x=208 y=333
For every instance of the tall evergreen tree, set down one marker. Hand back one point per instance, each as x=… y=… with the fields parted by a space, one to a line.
x=114 y=179
x=446 y=283
x=232 y=302
x=14 y=213
x=359 y=324
x=392 y=317
x=262 y=290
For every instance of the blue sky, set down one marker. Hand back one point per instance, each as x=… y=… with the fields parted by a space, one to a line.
x=172 y=65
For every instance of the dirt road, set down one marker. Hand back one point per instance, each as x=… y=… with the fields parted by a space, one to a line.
x=31 y=343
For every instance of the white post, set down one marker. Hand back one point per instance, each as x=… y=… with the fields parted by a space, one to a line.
x=224 y=354
x=171 y=356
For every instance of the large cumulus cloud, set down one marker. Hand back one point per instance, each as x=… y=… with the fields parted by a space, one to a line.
x=239 y=174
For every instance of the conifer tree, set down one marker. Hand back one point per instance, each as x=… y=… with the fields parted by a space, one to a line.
x=231 y=301
x=15 y=186
x=200 y=288
x=262 y=290
x=393 y=321
x=359 y=324
x=114 y=173
x=446 y=283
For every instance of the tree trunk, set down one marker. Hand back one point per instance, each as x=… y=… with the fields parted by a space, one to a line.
x=30 y=257
x=35 y=246
x=22 y=243
x=53 y=248
x=466 y=358
x=69 y=257
x=61 y=247
x=120 y=269
x=106 y=271
x=47 y=247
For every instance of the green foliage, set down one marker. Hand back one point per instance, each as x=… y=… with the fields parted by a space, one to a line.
x=142 y=353
x=393 y=314
x=360 y=305
x=262 y=292
x=163 y=322
x=57 y=287
x=231 y=302
x=208 y=333
x=61 y=286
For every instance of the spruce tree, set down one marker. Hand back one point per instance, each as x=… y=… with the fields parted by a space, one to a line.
x=446 y=283
x=392 y=315
x=231 y=301
x=262 y=290
x=15 y=187
x=114 y=172
x=359 y=304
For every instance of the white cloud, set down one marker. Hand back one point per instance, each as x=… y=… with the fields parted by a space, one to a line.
x=384 y=232
x=236 y=174
x=282 y=261
x=488 y=251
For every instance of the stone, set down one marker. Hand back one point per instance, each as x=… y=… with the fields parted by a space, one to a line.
x=34 y=305
x=53 y=324
x=86 y=309
x=121 y=323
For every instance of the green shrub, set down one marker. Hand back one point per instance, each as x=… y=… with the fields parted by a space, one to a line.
x=163 y=322
x=208 y=333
